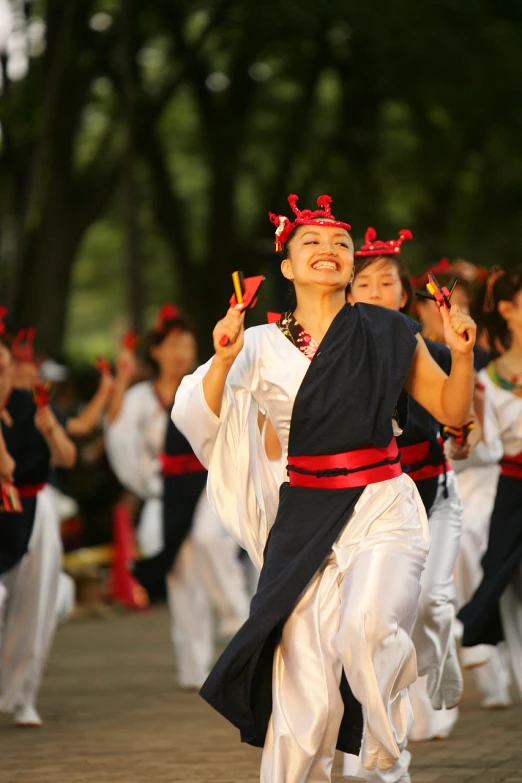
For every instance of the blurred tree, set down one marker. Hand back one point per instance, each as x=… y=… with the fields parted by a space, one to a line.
x=171 y=128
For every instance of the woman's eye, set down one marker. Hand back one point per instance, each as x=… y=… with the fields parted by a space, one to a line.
x=362 y=285
x=312 y=242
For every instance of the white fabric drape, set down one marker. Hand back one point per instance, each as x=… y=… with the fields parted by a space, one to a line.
x=29 y=620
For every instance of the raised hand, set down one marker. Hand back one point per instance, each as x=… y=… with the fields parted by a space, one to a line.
x=456 y=327
x=231 y=327
x=45 y=420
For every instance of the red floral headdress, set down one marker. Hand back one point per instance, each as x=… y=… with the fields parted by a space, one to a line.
x=22 y=349
x=3 y=313
x=306 y=217
x=376 y=247
x=168 y=312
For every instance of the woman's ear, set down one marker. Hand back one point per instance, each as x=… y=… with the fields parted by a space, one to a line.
x=286 y=269
x=505 y=309
x=404 y=299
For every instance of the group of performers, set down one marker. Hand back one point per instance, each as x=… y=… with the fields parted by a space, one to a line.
x=370 y=466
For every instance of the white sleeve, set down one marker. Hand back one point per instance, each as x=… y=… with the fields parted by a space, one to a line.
x=241 y=484
x=490 y=448
x=127 y=450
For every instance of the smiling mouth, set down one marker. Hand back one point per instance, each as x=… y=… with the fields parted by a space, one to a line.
x=326 y=263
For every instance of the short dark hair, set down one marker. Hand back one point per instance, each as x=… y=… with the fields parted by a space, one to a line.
x=156 y=335
x=501 y=288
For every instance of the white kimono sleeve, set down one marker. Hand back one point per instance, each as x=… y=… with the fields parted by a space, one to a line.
x=489 y=449
x=127 y=451
x=242 y=487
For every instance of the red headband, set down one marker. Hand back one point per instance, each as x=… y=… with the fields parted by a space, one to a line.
x=307 y=217
x=168 y=312
x=3 y=313
x=376 y=247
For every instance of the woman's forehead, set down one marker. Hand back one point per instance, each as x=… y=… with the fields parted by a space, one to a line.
x=382 y=266
x=332 y=231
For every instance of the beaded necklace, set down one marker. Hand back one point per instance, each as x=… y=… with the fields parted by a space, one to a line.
x=503 y=383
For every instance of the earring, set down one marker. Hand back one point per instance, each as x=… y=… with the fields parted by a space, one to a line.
x=352 y=278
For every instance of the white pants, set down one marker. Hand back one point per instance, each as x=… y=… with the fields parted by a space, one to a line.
x=478 y=488
x=223 y=574
x=356 y=614
x=511 y=614
x=427 y=722
x=29 y=619
x=433 y=631
x=207 y=574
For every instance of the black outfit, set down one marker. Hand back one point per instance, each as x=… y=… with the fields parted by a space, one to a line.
x=422 y=427
x=28 y=448
x=181 y=493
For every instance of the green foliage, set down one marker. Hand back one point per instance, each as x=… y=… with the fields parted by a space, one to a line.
x=152 y=139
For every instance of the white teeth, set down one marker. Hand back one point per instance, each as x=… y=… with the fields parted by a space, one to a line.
x=324 y=265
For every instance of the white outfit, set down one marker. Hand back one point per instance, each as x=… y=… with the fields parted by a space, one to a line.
x=343 y=618
x=503 y=433
x=478 y=478
x=134 y=441
x=433 y=631
x=29 y=609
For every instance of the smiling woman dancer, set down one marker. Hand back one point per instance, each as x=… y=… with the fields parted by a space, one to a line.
x=343 y=547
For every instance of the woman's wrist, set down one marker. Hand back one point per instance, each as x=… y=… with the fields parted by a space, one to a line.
x=222 y=365
x=465 y=359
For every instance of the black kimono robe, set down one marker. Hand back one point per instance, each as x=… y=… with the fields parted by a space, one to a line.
x=30 y=451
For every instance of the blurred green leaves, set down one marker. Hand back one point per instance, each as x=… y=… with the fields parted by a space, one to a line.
x=408 y=114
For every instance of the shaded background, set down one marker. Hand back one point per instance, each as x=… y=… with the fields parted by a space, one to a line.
x=144 y=141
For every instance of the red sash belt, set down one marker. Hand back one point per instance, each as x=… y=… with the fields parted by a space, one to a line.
x=29 y=490
x=348 y=470
x=511 y=466
x=417 y=460
x=180 y=464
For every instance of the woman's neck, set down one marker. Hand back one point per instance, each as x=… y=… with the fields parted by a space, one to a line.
x=316 y=313
x=513 y=356
x=166 y=387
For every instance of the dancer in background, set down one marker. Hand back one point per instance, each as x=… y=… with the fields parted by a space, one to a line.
x=382 y=278
x=30 y=546
x=343 y=548
x=26 y=375
x=494 y=613
x=182 y=540
x=477 y=476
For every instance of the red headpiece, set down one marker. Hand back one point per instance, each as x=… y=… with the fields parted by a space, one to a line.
x=22 y=348
x=3 y=313
x=442 y=268
x=376 y=247
x=168 y=312
x=307 y=217
x=130 y=340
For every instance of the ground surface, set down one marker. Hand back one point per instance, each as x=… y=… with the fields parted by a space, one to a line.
x=113 y=715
